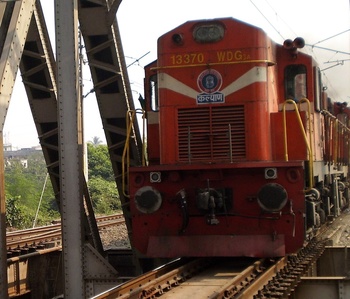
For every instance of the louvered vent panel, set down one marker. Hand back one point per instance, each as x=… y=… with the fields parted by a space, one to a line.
x=204 y=134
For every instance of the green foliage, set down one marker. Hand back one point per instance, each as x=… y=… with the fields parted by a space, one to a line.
x=99 y=163
x=14 y=215
x=102 y=187
x=23 y=188
x=104 y=194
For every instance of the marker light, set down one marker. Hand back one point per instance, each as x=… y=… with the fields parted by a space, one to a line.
x=177 y=38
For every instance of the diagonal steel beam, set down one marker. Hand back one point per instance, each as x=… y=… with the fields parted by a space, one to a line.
x=13 y=33
x=38 y=70
x=111 y=85
x=15 y=20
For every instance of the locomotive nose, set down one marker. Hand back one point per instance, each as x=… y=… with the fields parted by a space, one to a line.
x=272 y=197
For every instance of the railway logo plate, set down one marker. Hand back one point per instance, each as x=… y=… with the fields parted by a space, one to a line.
x=209 y=82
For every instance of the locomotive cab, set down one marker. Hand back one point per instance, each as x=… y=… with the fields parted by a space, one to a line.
x=311 y=133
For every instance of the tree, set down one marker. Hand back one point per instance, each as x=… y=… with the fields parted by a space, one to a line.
x=23 y=188
x=99 y=163
x=104 y=194
x=24 y=185
x=95 y=141
x=102 y=186
x=14 y=213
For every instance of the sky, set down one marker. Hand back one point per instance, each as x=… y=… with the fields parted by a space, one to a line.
x=325 y=26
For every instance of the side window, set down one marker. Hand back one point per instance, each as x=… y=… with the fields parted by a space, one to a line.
x=318 y=89
x=153 y=86
x=295 y=82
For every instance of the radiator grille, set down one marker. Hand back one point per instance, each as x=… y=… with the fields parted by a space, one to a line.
x=203 y=134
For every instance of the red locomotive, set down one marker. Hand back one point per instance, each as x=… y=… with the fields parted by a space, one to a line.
x=246 y=156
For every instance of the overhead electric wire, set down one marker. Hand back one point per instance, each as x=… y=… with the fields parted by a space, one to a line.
x=328 y=49
x=330 y=37
x=312 y=46
x=279 y=33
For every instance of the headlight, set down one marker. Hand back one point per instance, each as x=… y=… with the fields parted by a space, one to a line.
x=148 y=199
x=208 y=33
x=272 y=197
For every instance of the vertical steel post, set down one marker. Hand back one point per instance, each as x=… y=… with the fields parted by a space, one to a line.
x=3 y=254
x=70 y=142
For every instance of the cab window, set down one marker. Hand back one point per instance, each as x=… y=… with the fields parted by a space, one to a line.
x=295 y=82
x=153 y=87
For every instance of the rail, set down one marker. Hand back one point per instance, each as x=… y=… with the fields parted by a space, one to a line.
x=29 y=250
x=223 y=278
x=201 y=278
x=32 y=238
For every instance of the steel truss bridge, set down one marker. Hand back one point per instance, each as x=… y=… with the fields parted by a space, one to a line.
x=54 y=95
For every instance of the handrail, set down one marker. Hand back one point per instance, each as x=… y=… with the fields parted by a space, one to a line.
x=311 y=153
x=335 y=123
x=308 y=145
x=130 y=118
x=210 y=64
x=336 y=147
x=144 y=143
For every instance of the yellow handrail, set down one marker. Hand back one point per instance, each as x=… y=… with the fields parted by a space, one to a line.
x=130 y=118
x=311 y=153
x=335 y=124
x=301 y=125
x=336 y=147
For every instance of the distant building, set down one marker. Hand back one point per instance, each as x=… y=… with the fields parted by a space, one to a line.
x=20 y=155
x=7 y=147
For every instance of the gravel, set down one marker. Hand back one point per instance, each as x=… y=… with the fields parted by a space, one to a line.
x=115 y=237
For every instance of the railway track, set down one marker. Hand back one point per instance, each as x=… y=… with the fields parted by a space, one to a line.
x=49 y=236
x=222 y=278
x=32 y=248
x=200 y=278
